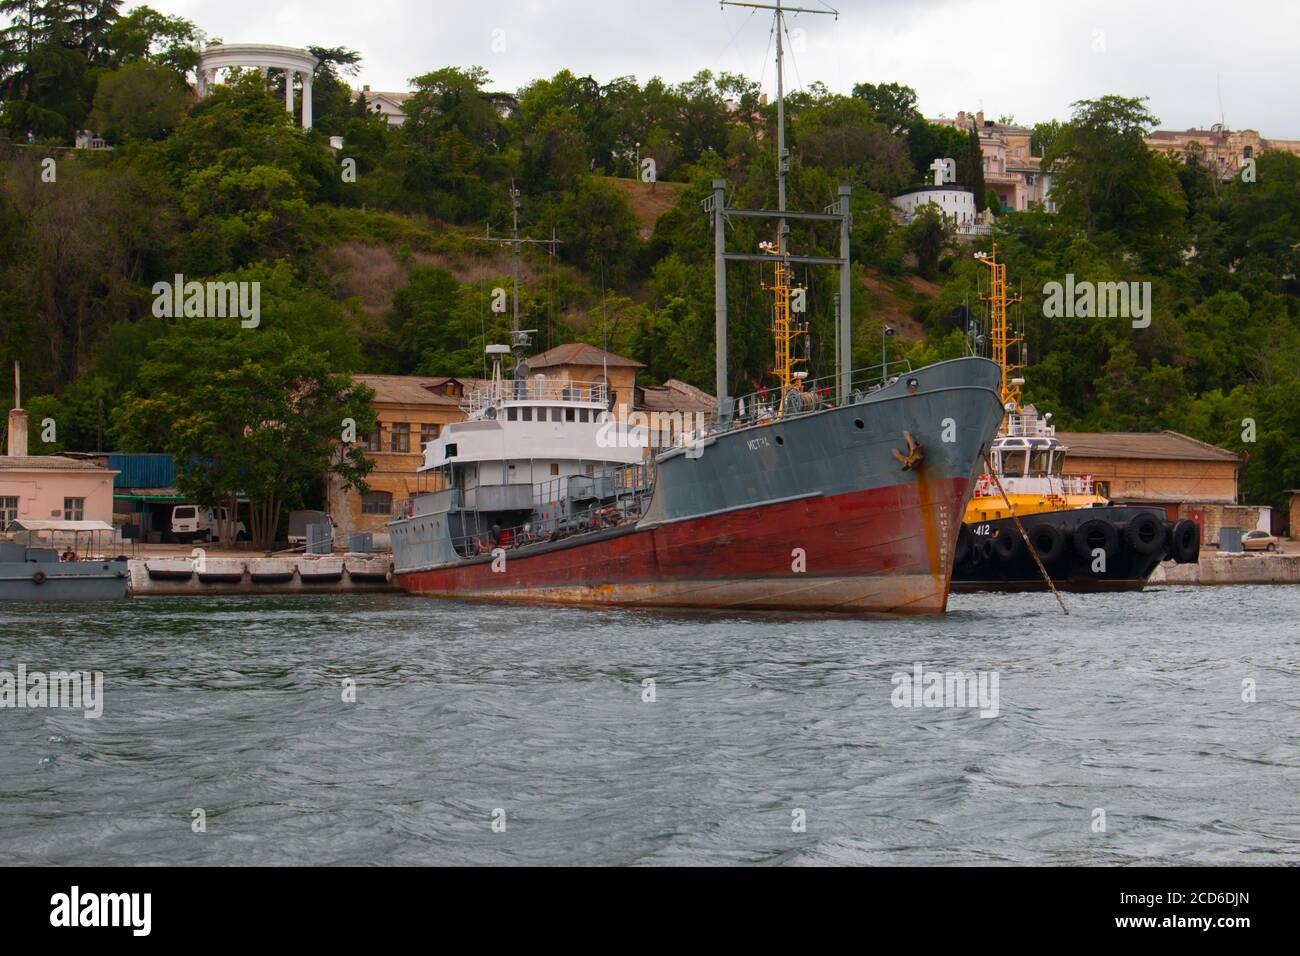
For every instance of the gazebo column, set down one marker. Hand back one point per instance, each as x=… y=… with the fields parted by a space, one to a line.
x=306 y=101
x=288 y=91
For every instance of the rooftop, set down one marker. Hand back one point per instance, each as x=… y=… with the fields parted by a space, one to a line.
x=1166 y=445
x=676 y=396
x=409 y=389
x=47 y=463
x=579 y=353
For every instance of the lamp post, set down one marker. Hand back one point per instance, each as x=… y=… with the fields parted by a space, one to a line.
x=885 y=333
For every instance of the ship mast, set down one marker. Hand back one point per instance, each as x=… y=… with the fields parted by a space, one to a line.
x=1004 y=339
x=519 y=338
x=784 y=330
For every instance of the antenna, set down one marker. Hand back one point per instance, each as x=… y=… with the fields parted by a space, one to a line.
x=519 y=337
x=784 y=329
x=779 y=10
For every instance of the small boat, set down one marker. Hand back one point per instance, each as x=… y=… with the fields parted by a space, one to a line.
x=37 y=574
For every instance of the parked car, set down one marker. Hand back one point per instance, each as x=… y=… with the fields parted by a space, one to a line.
x=192 y=523
x=1258 y=541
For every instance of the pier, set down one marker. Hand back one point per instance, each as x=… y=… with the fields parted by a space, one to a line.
x=1223 y=568
x=166 y=576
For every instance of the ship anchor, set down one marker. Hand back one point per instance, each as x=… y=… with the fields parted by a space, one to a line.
x=915 y=453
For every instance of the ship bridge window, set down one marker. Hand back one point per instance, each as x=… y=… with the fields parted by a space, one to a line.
x=1038 y=462
x=1013 y=462
x=1058 y=462
x=512 y=414
x=583 y=415
x=526 y=414
x=570 y=414
x=450 y=450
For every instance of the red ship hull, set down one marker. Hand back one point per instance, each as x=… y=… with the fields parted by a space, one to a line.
x=886 y=550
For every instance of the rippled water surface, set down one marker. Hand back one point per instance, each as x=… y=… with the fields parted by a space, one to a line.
x=1132 y=705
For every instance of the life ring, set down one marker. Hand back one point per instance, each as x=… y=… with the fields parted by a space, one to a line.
x=1007 y=544
x=963 y=549
x=1096 y=533
x=1185 y=541
x=1048 y=542
x=39 y=577
x=1145 y=534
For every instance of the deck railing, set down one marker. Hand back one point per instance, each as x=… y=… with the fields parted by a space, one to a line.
x=811 y=395
x=536 y=389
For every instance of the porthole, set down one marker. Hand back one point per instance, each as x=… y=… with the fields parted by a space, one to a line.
x=857 y=423
x=780 y=440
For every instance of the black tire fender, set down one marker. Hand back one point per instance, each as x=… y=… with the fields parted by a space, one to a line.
x=1185 y=541
x=1145 y=534
x=1007 y=544
x=1096 y=533
x=1048 y=542
x=39 y=577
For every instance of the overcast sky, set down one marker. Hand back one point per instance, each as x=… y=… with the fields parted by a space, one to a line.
x=1030 y=60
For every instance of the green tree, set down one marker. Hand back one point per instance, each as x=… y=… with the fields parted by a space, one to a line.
x=138 y=101
x=892 y=104
x=1106 y=180
x=259 y=413
x=928 y=237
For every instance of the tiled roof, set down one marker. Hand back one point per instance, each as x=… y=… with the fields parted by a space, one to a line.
x=579 y=353
x=407 y=389
x=677 y=396
x=47 y=463
x=1166 y=445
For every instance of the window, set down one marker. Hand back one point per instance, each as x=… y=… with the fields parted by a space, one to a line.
x=525 y=414
x=583 y=415
x=74 y=509
x=1013 y=463
x=570 y=415
x=428 y=432
x=1038 y=462
x=401 y=437
x=555 y=468
x=8 y=511
x=377 y=503
x=374 y=441
x=512 y=414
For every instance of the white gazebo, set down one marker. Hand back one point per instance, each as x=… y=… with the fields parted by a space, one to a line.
x=223 y=56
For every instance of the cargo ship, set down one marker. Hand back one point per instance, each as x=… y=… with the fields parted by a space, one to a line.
x=1081 y=540
x=843 y=494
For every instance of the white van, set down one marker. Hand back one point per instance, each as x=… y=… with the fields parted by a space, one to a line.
x=192 y=523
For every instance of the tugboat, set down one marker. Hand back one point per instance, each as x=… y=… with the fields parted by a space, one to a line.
x=1084 y=542
x=843 y=494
